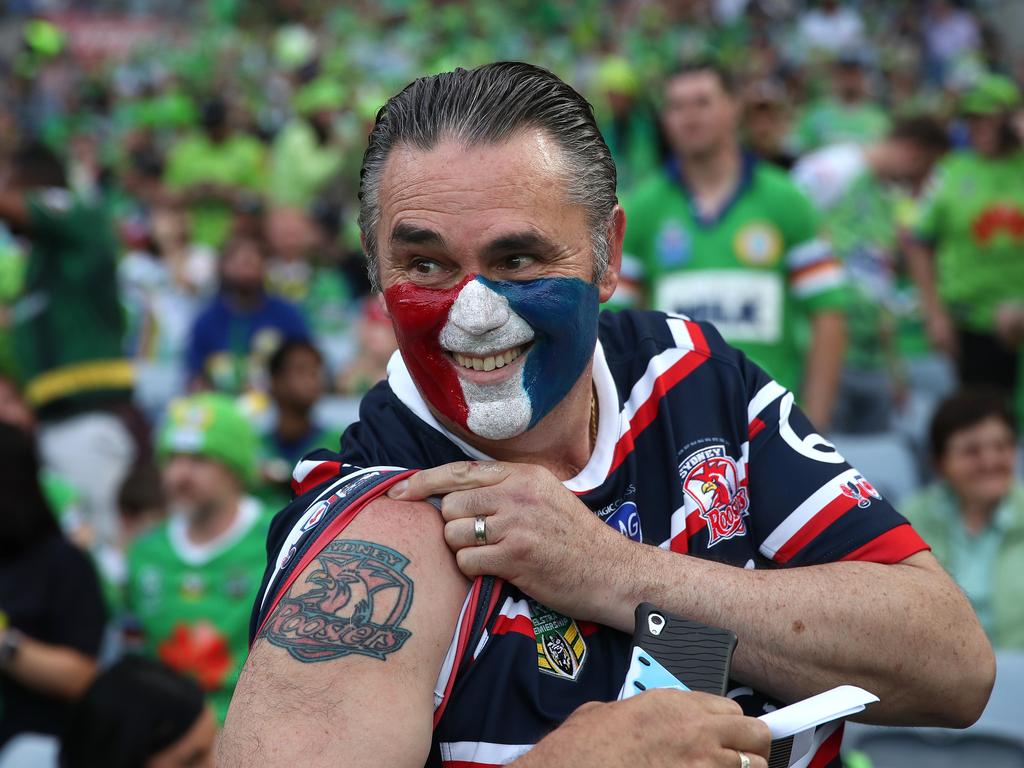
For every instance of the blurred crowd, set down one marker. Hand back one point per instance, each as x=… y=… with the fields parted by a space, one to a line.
x=184 y=310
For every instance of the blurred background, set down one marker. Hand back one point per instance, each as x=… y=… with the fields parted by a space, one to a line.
x=184 y=311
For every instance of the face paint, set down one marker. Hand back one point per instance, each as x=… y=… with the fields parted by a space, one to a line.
x=496 y=356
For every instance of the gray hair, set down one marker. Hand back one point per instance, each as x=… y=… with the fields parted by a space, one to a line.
x=488 y=105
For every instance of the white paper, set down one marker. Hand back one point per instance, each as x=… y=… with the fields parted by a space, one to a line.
x=831 y=705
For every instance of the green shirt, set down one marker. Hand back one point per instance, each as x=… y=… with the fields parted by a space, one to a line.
x=973 y=215
x=987 y=566
x=68 y=322
x=832 y=122
x=754 y=270
x=193 y=601
x=238 y=161
x=300 y=166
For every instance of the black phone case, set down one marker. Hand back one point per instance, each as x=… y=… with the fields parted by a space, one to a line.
x=697 y=654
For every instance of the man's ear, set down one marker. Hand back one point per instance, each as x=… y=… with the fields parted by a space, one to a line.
x=616 y=233
x=383 y=304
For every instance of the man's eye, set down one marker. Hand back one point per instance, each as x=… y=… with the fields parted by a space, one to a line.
x=517 y=262
x=425 y=267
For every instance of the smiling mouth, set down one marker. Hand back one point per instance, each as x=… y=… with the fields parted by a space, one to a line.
x=489 y=362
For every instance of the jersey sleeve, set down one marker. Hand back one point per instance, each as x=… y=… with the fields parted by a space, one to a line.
x=329 y=493
x=815 y=274
x=808 y=505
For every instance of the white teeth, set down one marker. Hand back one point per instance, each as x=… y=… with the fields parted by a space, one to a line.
x=487 y=363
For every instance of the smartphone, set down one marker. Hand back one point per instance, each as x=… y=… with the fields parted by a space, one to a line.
x=672 y=652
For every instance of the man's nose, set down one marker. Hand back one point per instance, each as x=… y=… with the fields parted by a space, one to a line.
x=478 y=309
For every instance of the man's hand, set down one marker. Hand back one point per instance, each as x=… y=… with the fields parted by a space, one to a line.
x=540 y=537
x=659 y=729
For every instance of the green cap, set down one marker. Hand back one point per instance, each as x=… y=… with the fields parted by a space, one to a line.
x=321 y=94
x=617 y=75
x=989 y=95
x=213 y=426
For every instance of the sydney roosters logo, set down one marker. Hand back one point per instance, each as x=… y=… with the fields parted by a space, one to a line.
x=860 y=491
x=711 y=481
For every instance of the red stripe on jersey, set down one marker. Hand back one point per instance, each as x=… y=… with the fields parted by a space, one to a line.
x=894 y=545
x=829 y=750
x=325 y=471
x=587 y=628
x=460 y=647
x=755 y=428
x=328 y=534
x=810 y=269
x=813 y=527
x=522 y=625
x=649 y=408
x=467 y=764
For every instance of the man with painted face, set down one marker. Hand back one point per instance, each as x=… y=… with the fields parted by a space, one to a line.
x=460 y=578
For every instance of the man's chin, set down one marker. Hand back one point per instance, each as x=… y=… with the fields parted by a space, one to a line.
x=499 y=421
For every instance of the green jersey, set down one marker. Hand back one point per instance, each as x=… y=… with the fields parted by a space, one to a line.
x=192 y=602
x=238 y=161
x=755 y=270
x=831 y=122
x=973 y=215
x=68 y=322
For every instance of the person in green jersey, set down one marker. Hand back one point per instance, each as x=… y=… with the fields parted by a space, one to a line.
x=969 y=264
x=856 y=188
x=297 y=379
x=214 y=170
x=68 y=329
x=720 y=236
x=192 y=580
x=848 y=115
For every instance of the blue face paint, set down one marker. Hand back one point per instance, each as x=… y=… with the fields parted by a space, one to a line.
x=563 y=313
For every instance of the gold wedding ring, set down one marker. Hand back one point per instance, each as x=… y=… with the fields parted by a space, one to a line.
x=744 y=760
x=480 y=530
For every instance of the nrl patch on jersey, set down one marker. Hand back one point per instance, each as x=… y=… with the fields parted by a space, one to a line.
x=561 y=650
x=711 y=482
x=744 y=305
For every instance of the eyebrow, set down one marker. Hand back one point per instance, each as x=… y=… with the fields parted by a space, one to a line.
x=519 y=241
x=408 y=234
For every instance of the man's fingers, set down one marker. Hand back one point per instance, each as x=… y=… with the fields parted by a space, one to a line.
x=747 y=734
x=459 y=504
x=730 y=758
x=457 y=476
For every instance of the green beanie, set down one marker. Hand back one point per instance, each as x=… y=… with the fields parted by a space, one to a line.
x=213 y=426
x=990 y=95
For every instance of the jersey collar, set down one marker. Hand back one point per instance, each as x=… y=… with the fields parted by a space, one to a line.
x=596 y=470
x=200 y=554
x=748 y=162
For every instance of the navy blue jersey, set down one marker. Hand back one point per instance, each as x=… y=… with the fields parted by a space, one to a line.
x=698 y=451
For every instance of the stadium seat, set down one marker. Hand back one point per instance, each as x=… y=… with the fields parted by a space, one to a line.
x=995 y=741
x=884 y=459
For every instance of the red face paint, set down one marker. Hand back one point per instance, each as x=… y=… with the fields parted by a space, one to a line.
x=418 y=315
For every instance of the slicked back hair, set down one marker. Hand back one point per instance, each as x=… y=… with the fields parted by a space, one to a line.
x=489 y=105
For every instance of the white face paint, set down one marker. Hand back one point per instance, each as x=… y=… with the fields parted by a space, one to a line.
x=483 y=331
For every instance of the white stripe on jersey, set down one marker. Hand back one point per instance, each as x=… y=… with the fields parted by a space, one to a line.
x=807 y=253
x=821 y=280
x=800 y=516
x=513 y=609
x=304 y=468
x=821 y=735
x=768 y=394
x=482 y=752
x=448 y=665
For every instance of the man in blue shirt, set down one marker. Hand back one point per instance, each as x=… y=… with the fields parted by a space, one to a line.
x=233 y=337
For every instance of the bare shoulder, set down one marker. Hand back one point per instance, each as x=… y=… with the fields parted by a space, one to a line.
x=357 y=639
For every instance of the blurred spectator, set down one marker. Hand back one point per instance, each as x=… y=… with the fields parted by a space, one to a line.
x=829 y=27
x=297 y=380
x=51 y=610
x=973 y=517
x=376 y=344
x=235 y=335
x=305 y=268
x=214 y=171
x=849 y=114
x=721 y=236
x=193 y=579
x=766 y=123
x=69 y=332
x=968 y=265
x=855 y=189
x=140 y=714
x=627 y=123
x=950 y=33
x=306 y=156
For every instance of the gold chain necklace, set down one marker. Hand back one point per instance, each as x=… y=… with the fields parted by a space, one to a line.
x=593 y=417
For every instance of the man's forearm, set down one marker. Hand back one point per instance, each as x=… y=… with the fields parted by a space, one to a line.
x=824 y=367
x=904 y=631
